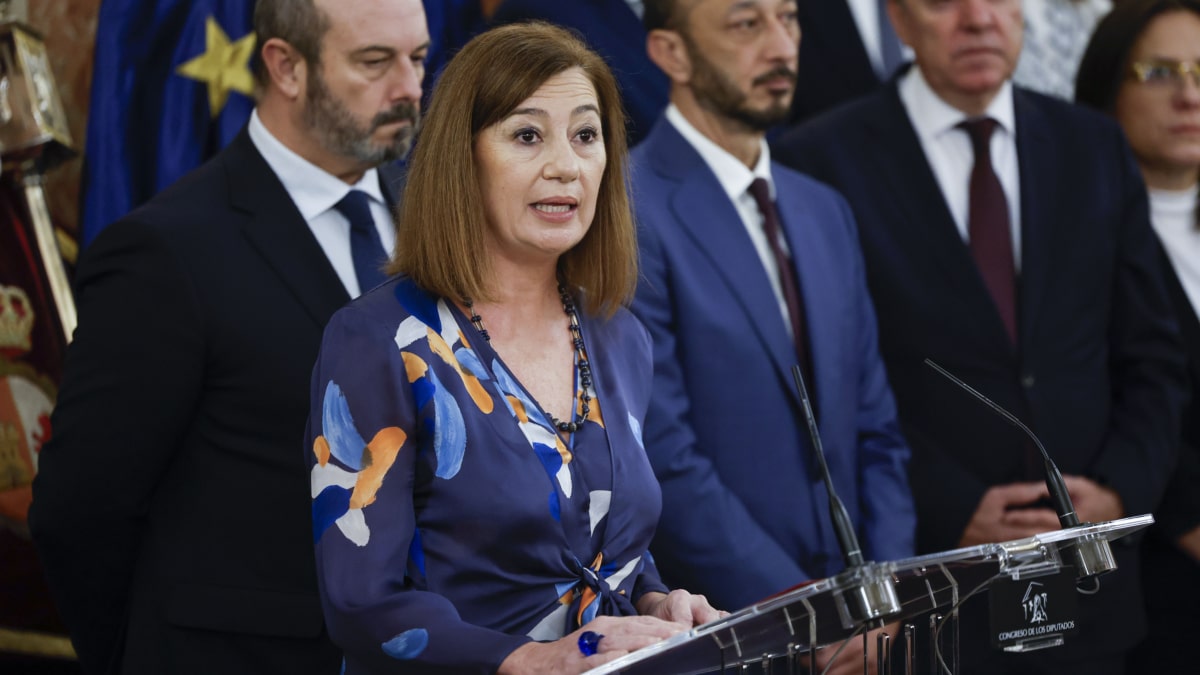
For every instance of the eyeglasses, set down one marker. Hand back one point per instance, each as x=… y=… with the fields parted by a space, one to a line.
x=1161 y=72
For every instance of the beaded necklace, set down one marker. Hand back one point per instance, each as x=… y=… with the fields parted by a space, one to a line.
x=585 y=368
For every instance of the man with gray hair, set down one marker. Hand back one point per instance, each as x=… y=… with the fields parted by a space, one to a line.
x=172 y=506
x=1007 y=238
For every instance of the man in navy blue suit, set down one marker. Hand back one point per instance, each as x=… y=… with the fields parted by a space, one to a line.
x=749 y=268
x=1007 y=237
x=172 y=511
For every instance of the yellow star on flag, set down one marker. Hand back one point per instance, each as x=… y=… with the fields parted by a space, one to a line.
x=224 y=66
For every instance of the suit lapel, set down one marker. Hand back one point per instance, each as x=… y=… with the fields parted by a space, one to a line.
x=813 y=263
x=926 y=218
x=1185 y=314
x=1038 y=210
x=711 y=221
x=391 y=181
x=831 y=22
x=275 y=228
x=916 y=192
x=392 y=178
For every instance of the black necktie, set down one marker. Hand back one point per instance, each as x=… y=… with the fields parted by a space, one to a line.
x=365 y=247
x=787 y=276
x=988 y=227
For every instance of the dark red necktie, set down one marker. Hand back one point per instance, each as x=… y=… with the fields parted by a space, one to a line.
x=787 y=275
x=988 y=226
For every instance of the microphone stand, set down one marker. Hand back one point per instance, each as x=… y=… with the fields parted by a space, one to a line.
x=1093 y=557
x=870 y=593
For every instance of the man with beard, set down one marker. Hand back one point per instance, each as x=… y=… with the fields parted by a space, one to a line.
x=172 y=506
x=749 y=268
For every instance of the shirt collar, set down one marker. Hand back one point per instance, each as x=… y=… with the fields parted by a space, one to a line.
x=733 y=176
x=1176 y=201
x=313 y=189
x=932 y=117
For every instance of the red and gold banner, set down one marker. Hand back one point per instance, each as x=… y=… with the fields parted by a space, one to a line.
x=36 y=318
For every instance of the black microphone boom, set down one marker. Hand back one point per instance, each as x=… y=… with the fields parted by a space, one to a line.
x=843 y=528
x=869 y=593
x=1054 y=480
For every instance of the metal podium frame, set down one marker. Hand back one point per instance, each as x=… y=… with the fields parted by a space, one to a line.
x=774 y=635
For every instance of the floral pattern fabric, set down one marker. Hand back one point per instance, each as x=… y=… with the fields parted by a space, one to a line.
x=452 y=523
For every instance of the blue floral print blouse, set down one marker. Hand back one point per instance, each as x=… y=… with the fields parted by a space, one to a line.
x=452 y=523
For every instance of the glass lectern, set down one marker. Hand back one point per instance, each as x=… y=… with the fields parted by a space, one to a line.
x=777 y=635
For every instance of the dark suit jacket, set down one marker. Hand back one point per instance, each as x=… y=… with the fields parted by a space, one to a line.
x=1097 y=372
x=1171 y=577
x=612 y=29
x=171 y=508
x=744 y=512
x=1180 y=508
x=834 y=66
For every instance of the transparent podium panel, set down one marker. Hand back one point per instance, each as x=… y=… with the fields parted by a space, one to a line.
x=776 y=635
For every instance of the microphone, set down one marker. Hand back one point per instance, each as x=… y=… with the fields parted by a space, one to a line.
x=842 y=527
x=1093 y=557
x=1054 y=480
x=867 y=593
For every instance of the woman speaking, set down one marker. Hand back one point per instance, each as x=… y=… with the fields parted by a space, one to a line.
x=481 y=498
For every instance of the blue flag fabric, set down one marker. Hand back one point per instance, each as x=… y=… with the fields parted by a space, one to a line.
x=452 y=23
x=148 y=123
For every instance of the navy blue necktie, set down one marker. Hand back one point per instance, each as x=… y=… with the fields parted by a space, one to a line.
x=365 y=247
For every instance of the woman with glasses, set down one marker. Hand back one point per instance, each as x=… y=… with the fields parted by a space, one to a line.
x=1143 y=67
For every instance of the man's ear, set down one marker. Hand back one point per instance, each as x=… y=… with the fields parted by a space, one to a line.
x=667 y=50
x=285 y=67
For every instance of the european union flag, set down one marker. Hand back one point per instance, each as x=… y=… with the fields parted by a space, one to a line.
x=171 y=86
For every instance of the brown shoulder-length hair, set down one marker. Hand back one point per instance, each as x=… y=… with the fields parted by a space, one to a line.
x=1105 y=64
x=442 y=219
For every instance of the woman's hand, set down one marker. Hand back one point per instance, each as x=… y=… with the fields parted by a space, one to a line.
x=621 y=635
x=679 y=606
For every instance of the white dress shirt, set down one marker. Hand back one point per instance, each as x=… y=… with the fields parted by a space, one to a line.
x=950 y=155
x=735 y=179
x=315 y=192
x=1174 y=216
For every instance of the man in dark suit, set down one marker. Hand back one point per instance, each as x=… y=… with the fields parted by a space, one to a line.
x=847 y=49
x=1024 y=263
x=749 y=268
x=613 y=28
x=172 y=506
